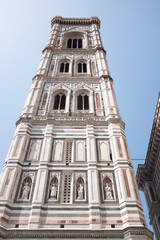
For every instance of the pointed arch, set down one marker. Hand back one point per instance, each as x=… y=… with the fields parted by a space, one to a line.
x=53 y=188
x=80 y=189
x=69 y=43
x=80 y=43
x=34 y=149
x=62 y=67
x=80 y=150
x=57 y=150
x=26 y=188
x=60 y=101
x=107 y=189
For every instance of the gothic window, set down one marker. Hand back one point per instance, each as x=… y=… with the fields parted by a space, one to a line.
x=67 y=67
x=69 y=43
x=74 y=43
x=64 y=67
x=82 y=102
x=59 y=102
x=80 y=191
x=53 y=192
x=79 y=43
x=82 y=67
x=26 y=189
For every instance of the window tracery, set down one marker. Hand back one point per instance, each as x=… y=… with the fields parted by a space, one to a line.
x=64 y=67
x=82 y=102
x=74 y=43
x=82 y=67
x=59 y=102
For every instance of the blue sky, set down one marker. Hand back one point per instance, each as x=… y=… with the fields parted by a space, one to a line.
x=131 y=37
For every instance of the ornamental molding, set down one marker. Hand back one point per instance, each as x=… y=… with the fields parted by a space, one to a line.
x=76 y=234
x=89 y=50
x=78 y=120
x=74 y=30
x=75 y=21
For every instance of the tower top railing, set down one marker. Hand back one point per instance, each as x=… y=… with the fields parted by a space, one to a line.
x=76 y=21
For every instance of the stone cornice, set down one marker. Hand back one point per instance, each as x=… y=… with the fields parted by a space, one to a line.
x=71 y=79
x=75 y=21
x=145 y=171
x=75 y=234
x=74 y=51
x=67 y=120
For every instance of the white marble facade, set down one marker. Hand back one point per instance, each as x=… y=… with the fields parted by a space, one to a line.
x=68 y=165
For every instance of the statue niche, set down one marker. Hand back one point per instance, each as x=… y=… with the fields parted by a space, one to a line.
x=53 y=192
x=80 y=193
x=26 y=189
x=107 y=189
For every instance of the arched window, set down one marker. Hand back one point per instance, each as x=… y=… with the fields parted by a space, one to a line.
x=60 y=101
x=74 y=43
x=69 y=43
x=86 y=102
x=63 y=101
x=82 y=67
x=83 y=102
x=80 y=102
x=152 y=194
x=64 y=67
x=79 y=43
x=79 y=67
x=67 y=67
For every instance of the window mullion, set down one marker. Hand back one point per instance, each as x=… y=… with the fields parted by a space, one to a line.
x=59 y=105
x=83 y=102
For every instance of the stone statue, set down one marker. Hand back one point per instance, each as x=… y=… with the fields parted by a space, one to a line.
x=26 y=191
x=108 y=192
x=80 y=192
x=53 y=193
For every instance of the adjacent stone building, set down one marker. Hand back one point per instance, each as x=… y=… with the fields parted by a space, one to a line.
x=148 y=174
x=68 y=173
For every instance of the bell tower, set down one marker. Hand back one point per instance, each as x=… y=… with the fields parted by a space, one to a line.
x=68 y=173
